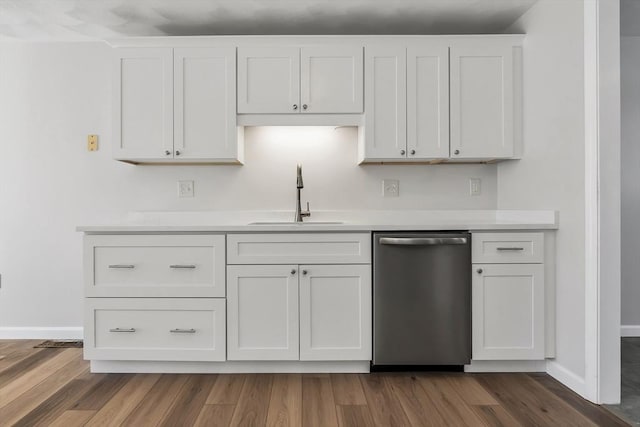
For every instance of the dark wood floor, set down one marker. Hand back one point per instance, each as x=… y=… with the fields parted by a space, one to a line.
x=53 y=387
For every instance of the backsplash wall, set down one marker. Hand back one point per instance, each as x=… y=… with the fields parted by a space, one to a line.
x=52 y=95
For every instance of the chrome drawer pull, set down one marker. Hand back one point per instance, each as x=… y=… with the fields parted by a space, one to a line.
x=423 y=241
x=183 y=331
x=122 y=266
x=182 y=266
x=510 y=249
x=122 y=330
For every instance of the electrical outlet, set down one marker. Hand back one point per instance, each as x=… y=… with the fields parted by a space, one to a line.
x=185 y=188
x=475 y=186
x=390 y=188
x=92 y=142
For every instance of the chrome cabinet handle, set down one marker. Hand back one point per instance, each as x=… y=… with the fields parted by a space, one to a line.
x=182 y=266
x=402 y=152
x=456 y=152
x=479 y=271
x=423 y=241
x=293 y=271
x=122 y=330
x=167 y=152
x=295 y=106
x=122 y=266
x=304 y=272
x=182 y=331
x=177 y=152
x=509 y=249
x=305 y=106
x=412 y=152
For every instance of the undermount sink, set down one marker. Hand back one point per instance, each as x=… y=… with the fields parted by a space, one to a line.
x=296 y=223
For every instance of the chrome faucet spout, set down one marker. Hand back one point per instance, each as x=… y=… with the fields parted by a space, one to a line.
x=300 y=214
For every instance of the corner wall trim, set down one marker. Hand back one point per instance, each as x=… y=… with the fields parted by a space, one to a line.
x=37 y=333
x=630 y=330
x=566 y=377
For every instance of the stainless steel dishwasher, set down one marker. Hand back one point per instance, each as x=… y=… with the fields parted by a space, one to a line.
x=421 y=299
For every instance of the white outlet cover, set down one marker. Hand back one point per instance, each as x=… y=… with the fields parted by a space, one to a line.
x=475 y=186
x=185 y=188
x=390 y=188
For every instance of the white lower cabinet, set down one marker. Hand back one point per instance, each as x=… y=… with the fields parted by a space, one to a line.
x=508 y=312
x=262 y=305
x=335 y=312
x=299 y=312
x=186 y=329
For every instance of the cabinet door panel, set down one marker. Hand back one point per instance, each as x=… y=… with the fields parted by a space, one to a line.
x=332 y=79
x=428 y=102
x=262 y=306
x=205 y=103
x=335 y=312
x=143 y=103
x=482 y=102
x=385 y=104
x=268 y=80
x=508 y=312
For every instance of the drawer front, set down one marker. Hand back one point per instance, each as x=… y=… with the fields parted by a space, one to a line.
x=299 y=248
x=507 y=248
x=155 y=266
x=155 y=329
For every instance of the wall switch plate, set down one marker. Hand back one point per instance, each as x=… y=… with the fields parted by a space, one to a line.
x=390 y=188
x=92 y=142
x=185 y=188
x=475 y=186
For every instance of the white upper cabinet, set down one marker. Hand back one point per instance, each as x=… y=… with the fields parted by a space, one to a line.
x=315 y=79
x=268 y=80
x=428 y=102
x=175 y=105
x=331 y=79
x=385 y=103
x=482 y=101
x=205 y=103
x=143 y=103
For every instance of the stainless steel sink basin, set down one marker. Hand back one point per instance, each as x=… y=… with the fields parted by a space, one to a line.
x=296 y=223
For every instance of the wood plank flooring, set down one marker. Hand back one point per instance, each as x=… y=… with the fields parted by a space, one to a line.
x=53 y=387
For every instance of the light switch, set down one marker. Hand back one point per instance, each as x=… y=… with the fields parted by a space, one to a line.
x=390 y=188
x=475 y=186
x=92 y=142
x=185 y=188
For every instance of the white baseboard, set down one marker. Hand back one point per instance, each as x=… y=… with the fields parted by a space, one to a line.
x=506 y=366
x=41 y=333
x=630 y=330
x=228 y=367
x=567 y=377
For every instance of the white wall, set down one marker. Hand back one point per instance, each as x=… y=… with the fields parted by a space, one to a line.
x=551 y=173
x=630 y=164
x=53 y=95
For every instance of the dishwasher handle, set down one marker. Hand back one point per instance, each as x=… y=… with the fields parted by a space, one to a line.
x=423 y=241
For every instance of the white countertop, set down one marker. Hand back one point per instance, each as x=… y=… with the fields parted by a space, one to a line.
x=240 y=221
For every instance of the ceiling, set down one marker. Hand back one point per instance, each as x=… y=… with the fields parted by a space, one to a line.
x=61 y=20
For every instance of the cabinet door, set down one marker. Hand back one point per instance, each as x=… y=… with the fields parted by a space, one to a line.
x=428 y=102
x=331 y=79
x=205 y=103
x=482 y=102
x=269 y=80
x=385 y=105
x=508 y=312
x=335 y=312
x=143 y=103
x=262 y=307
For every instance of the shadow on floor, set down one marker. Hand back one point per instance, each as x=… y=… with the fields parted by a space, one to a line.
x=629 y=407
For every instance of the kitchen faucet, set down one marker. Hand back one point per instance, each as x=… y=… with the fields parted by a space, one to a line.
x=300 y=185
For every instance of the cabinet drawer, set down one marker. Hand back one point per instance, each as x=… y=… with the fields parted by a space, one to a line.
x=507 y=248
x=155 y=329
x=299 y=248
x=155 y=266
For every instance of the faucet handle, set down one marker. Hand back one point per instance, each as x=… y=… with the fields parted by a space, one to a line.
x=307 y=212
